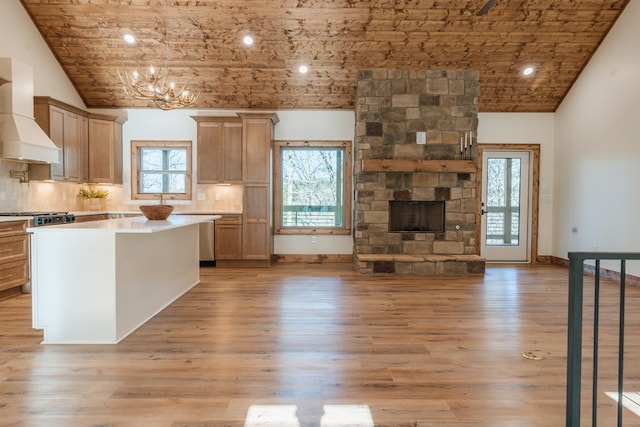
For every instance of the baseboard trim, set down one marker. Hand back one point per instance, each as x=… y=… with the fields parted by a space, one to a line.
x=311 y=259
x=242 y=263
x=544 y=259
x=605 y=273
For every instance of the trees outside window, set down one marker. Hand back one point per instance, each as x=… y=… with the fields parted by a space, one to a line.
x=313 y=191
x=161 y=167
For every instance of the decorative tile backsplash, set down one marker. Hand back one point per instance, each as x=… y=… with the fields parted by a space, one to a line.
x=63 y=196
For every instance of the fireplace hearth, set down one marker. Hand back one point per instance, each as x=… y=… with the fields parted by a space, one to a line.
x=416 y=216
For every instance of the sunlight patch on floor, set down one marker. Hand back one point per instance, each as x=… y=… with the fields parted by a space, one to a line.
x=285 y=416
x=272 y=415
x=630 y=400
x=346 y=416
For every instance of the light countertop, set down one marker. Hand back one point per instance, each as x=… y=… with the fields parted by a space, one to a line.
x=137 y=224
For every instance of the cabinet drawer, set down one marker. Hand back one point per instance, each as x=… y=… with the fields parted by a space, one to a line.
x=229 y=219
x=14 y=248
x=8 y=228
x=14 y=274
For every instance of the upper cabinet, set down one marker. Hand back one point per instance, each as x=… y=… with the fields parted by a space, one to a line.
x=219 y=149
x=257 y=133
x=90 y=144
x=67 y=128
x=105 y=149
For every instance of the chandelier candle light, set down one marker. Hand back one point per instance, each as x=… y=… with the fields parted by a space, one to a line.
x=156 y=86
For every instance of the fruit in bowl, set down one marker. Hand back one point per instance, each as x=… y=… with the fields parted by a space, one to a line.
x=156 y=212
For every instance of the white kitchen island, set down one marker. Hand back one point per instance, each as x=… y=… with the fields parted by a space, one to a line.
x=96 y=282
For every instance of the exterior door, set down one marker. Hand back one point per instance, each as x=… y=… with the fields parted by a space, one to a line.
x=506 y=199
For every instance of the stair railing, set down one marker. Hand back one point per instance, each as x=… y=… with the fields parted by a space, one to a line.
x=575 y=328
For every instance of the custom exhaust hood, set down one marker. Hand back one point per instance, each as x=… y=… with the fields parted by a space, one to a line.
x=21 y=139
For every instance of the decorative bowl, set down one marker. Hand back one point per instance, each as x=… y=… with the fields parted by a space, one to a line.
x=156 y=212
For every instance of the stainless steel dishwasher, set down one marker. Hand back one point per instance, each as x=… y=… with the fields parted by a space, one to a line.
x=207 y=245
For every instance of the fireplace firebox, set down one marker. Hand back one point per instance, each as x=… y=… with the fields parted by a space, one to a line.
x=416 y=216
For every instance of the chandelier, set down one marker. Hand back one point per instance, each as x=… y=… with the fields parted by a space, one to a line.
x=157 y=86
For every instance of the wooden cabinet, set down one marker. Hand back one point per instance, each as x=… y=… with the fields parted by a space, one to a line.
x=257 y=134
x=228 y=238
x=93 y=217
x=90 y=144
x=257 y=233
x=105 y=149
x=257 y=242
x=219 y=149
x=14 y=254
x=67 y=128
x=232 y=150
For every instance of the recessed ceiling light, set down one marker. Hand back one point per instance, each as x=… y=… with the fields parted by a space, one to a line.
x=528 y=71
x=129 y=38
x=303 y=69
x=247 y=40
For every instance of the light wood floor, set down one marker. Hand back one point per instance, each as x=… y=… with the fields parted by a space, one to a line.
x=417 y=351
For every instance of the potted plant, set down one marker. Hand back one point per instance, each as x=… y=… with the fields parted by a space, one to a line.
x=93 y=197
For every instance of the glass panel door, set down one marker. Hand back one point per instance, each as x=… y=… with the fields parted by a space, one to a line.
x=505 y=205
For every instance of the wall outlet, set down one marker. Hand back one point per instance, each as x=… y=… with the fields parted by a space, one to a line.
x=313 y=239
x=201 y=196
x=421 y=137
x=217 y=196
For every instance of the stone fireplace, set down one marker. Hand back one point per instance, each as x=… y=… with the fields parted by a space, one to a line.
x=416 y=197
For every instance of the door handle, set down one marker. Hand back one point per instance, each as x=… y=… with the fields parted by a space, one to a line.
x=482 y=211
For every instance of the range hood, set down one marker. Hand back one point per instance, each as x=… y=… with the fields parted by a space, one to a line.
x=21 y=139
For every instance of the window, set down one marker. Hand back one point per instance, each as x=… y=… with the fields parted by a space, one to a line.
x=160 y=167
x=312 y=187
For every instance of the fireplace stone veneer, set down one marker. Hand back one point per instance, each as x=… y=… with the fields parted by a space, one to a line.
x=392 y=106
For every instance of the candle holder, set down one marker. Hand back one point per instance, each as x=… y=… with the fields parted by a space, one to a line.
x=466 y=142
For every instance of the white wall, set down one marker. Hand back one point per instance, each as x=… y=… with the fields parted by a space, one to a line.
x=21 y=40
x=527 y=128
x=596 y=203
x=318 y=126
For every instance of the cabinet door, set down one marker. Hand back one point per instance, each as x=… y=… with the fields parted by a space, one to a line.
x=72 y=147
x=228 y=241
x=84 y=149
x=256 y=231
x=105 y=151
x=14 y=254
x=56 y=134
x=209 y=140
x=231 y=158
x=219 y=150
x=257 y=149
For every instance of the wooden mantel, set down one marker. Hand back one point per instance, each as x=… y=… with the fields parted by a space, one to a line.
x=407 y=165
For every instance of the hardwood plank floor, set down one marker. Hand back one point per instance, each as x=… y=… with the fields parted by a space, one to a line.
x=416 y=351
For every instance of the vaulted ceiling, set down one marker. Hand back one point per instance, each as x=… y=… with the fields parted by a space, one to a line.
x=334 y=38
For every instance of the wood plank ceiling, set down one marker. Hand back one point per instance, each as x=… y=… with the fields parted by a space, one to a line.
x=335 y=38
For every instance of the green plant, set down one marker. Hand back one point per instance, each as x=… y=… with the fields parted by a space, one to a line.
x=93 y=193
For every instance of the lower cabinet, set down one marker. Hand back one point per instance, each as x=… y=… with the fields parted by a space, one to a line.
x=92 y=217
x=228 y=238
x=14 y=254
x=256 y=234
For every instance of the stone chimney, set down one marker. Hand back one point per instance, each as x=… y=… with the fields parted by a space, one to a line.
x=395 y=111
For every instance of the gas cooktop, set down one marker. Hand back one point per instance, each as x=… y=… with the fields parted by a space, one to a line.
x=44 y=218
